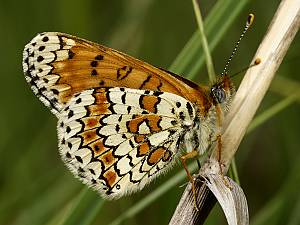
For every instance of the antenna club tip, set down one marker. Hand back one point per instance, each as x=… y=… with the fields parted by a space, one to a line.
x=257 y=61
x=250 y=19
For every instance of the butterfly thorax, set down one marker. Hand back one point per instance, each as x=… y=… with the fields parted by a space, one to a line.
x=209 y=103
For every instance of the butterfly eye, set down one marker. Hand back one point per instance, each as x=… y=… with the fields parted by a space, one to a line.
x=218 y=94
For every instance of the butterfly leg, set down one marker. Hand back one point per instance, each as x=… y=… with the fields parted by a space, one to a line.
x=219 y=146
x=219 y=143
x=183 y=159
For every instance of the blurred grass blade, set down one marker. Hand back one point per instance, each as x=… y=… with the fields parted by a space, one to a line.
x=84 y=208
x=191 y=59
x=269 y=113
x=232 y=12
x=191 y=50
x=209 y=61
x=79 y=25
x=295 y=215
x=270 y=213
x=233 y=173
x=284 y=86
x=262 y=118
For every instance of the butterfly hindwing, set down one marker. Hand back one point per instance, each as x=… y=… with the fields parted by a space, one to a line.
x=118 y=139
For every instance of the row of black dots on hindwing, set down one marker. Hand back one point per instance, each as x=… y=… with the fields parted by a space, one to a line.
x=79 y=156
x=38 y=57
x=75 y=110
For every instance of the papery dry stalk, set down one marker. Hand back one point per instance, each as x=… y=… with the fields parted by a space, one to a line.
x=282 y=30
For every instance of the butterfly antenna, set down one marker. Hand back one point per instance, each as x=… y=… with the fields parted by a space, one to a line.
x=255 y=63
x=250 y=20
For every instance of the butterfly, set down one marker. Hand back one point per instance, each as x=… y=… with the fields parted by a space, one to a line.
x=121 y=122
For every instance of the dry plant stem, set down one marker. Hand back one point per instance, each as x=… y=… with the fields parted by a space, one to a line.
x=256 y=82
x=187 y=213
x=271 y=51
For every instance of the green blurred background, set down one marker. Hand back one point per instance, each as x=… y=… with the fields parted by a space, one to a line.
x=36 y=188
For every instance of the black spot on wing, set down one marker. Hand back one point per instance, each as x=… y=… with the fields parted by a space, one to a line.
x=189 y=108
x=99 y=57
x=45 y=39
x=40 y=58
x=94 y=72
x=79 y=100
x=123 y=98
x=94 y=63
x=71 y=54
x=42 y=48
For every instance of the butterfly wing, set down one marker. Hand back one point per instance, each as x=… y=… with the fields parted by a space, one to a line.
x=121 y=120
x=116 y=140
x=58 y=65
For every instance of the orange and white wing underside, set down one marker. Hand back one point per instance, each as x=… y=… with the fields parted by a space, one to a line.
x=117 y=140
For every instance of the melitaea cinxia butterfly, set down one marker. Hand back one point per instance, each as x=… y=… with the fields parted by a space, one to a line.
x=121 y=121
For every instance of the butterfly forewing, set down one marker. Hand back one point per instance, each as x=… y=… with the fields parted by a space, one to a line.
x=58 y=65
x=116 y=141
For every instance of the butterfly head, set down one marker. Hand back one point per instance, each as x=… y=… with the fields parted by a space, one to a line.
x=222 y=91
